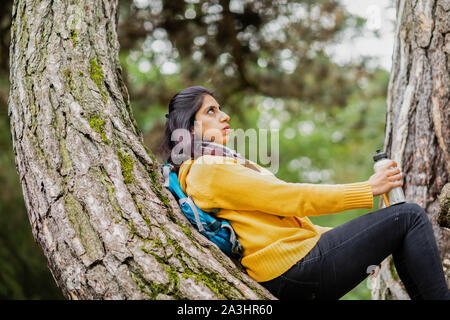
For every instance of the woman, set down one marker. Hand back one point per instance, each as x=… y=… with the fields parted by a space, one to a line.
x=283 y=250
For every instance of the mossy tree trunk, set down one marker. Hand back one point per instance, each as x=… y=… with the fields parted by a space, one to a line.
x=91 y=188
x=418 y=122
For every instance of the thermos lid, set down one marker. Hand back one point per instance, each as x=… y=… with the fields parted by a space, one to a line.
x=379 y=156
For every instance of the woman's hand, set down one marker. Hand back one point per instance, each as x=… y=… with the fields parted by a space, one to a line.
x=386 y=178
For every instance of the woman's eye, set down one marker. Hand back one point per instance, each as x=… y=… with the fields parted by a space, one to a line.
x=212 y=109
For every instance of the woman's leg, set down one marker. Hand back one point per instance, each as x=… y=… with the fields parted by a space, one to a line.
x=342 y=256
x=418 y=262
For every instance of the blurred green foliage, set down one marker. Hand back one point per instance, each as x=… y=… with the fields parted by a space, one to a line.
x=266 y=75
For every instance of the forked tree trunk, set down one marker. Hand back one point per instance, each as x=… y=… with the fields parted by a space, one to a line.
x=91 y=188
x=418 y=122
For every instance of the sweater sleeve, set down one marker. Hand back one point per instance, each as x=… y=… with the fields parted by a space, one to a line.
x=230 y=185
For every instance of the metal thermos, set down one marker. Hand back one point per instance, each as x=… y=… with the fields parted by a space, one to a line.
x=396 y=194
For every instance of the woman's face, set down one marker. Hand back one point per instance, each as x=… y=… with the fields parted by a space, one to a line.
x=211 y=123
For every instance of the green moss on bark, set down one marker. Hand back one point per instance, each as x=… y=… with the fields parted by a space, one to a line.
x=126 y=163
x=96 y=74
x=81 y=224
x=99 y=126
x=66 y=161
x=73 y=36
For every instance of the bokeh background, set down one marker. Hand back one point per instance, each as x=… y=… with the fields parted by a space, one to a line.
x=317 y=71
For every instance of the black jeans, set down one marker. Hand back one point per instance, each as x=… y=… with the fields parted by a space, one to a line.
x=343 y=257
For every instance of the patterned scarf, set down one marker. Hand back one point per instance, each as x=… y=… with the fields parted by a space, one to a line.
x=202 y=147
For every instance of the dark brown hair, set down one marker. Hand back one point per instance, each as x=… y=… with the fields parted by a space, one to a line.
x=182 y=109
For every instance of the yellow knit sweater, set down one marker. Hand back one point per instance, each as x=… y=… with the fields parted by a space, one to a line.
x=268 y=215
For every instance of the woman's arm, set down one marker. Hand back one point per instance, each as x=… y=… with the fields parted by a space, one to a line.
x=229 y=185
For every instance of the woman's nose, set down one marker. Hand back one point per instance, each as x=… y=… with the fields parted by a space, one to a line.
x=225 y=117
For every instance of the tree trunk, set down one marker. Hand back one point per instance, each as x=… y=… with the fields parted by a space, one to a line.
x=417 y=120
x=91 y=188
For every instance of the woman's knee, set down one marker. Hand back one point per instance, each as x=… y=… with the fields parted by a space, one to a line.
x=413 y=210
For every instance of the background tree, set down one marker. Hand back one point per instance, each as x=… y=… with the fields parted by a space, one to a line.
x=417 y=121
x=92 y=190
x=274 y=70
x=23 y=271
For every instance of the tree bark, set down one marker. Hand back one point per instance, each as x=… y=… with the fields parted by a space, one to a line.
x=91 y=187
x=417 y=119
